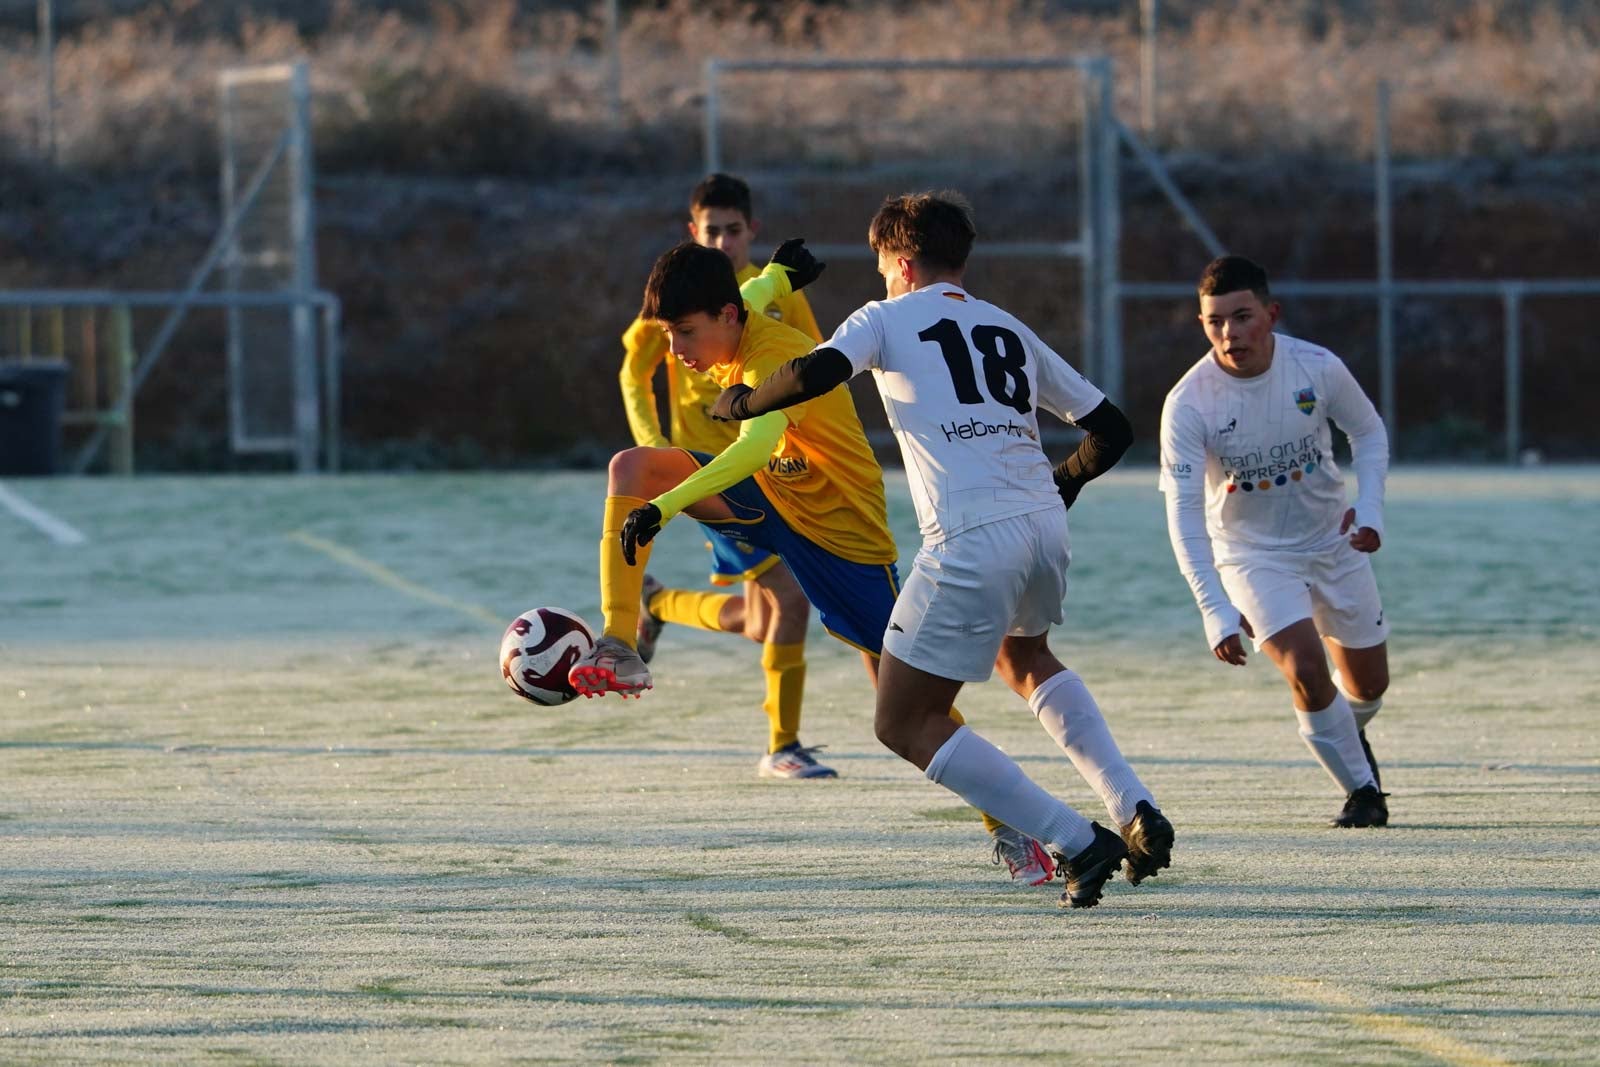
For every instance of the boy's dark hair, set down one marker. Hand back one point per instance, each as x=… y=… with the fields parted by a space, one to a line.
x=934 y=230
x=687 y=279
x=722 y=190
x=1233 y=274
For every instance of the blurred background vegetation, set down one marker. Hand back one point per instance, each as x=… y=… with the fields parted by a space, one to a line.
x=488 y=205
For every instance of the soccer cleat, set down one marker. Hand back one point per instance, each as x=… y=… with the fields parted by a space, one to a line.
x=1364 y=807
x=610 y=667
x=794 y=760
x=1027 y=860
x=1371 y=762
x=1148 y=836
x=649 y=626
x=1087 y=872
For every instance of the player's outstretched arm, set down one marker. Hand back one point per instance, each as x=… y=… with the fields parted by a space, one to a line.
x=1108 y=433
x=738 y=461
x=817 y=372
x=791 y=268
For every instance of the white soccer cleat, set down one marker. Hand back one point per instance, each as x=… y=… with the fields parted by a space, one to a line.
x=610 y=667
x=1027 y=860
x=794 y=761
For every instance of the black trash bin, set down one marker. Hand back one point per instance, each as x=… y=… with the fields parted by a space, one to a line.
x=33 y=393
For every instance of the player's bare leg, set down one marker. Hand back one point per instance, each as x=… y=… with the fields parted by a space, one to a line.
x=1327 y=722
x=1069 y=714
x=913 y=720
x=1363 y=672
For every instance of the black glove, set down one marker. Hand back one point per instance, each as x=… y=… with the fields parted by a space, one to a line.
x=639 y=528
x=803 y=266
x=727 y=407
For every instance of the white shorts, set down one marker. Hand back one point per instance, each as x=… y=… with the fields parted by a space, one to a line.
x=1004 y=578
x=1335 y=589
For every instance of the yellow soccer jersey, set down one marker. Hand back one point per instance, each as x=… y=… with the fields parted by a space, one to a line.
x=689 y=393
x=822 y=477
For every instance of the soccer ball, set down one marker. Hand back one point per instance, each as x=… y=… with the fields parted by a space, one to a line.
x=538 y=649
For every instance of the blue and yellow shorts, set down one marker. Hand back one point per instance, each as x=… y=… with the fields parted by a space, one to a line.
x=852 y=599
x=735 y=562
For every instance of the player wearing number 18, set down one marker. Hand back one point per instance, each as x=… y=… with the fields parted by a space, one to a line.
x=962 y=381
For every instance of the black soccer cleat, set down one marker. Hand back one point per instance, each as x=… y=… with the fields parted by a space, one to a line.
x=1148 y=836
x=1364 y=807
x=1088 y=871
x=1371 y=762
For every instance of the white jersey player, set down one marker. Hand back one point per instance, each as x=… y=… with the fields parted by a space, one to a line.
x=1259 y=521
x=962 y=382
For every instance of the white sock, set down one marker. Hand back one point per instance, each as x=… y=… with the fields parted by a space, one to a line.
x=991 y=781
x=1068 y=713
x=1364 y=709
x=1331 y=736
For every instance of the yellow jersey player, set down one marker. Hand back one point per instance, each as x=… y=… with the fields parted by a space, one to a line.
x=772 y=611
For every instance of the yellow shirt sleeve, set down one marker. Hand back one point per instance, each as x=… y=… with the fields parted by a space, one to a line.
x=644 y=347
x=734 y=464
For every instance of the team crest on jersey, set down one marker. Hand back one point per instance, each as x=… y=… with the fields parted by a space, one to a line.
x=1306 y=401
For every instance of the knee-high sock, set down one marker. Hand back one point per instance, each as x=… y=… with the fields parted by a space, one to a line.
x=785 y=668
x=991 y=781
x=620 y=584
x=690 y=607
x=990 y=823
x=1068 y=713
x=1364 y=709
x=1331 y=735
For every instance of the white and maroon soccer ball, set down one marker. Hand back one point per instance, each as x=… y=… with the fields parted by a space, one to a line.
x=538 y=649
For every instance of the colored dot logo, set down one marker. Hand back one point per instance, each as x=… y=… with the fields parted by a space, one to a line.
x=1246 y=486
x=1263 y=484
x=1280 y=479
x=1295 y=475
x=1310 y=467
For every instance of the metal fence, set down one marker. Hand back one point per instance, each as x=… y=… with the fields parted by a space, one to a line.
x=1387 y=291
x=282 y=359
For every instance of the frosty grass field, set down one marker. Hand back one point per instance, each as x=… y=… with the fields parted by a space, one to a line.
x=264 y=798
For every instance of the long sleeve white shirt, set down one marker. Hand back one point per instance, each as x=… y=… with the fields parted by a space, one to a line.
x=1248 y=470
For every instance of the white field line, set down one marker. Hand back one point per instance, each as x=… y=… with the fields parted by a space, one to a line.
x=59 y=531
x=1397 y=1029
x=384 y=576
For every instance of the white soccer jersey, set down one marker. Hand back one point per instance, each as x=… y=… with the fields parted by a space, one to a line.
x=1254 y=457
x=962 y=382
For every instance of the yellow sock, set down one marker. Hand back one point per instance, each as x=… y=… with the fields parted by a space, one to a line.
x=785 y=668
x=990 y=823
x=690 y=607
x=620 y=584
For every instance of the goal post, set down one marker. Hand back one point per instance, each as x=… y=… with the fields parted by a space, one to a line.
x=274 y=401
